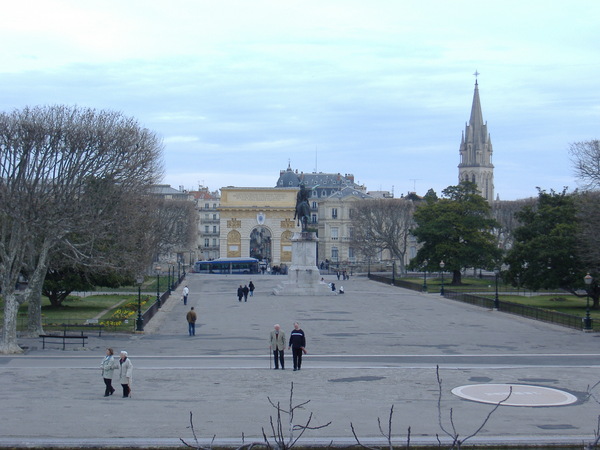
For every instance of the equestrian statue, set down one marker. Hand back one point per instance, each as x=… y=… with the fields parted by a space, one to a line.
x=302 y=213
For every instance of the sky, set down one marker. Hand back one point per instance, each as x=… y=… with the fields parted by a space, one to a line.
x=382 y=89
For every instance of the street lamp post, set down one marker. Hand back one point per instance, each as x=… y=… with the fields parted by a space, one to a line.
x=139 y=325
x=158 y=286
x=587 y=323
x=496 y=299
x=425 y=276
x=178 y=270
x=394 y=272
x=169 y=279
x=442 y=265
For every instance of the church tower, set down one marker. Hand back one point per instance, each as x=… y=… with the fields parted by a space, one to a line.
x=476 y=151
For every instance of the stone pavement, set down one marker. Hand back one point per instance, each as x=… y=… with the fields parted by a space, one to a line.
x=374 y=347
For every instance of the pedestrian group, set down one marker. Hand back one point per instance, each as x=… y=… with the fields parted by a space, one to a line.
x=110 y=365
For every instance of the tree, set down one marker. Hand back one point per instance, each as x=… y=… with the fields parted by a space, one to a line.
x=588 y=238
x=383 y=224
x=545 y=253
x=585 y=156
x=504 y=213
x=64 y=172
x=175 y=225
x=59 y=283
x=456 y=229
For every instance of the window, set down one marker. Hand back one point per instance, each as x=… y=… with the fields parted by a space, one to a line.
x=314 y=205
x=334 y=213
x=206 y=228
x=206 y=242
x=314 y=218
x=334 y=234
x=350 y=233
x=214 y=242
x=214 y=228
x=214 y=206
x=214 y=217
x=206 y=206
x=334 y=253
x=350 y=252
x=351 y=213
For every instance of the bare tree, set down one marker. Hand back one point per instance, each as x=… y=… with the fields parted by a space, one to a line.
x=384 y=224
x=504 y=213
x=64 y=171
x=176 y=225
x=388 y=435
x=451 y=431
x=585 y=157
x=283 y=433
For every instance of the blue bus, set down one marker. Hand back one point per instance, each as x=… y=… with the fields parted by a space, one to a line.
x=227 y=266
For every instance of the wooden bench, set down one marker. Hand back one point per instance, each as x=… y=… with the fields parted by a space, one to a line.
x=64 y=337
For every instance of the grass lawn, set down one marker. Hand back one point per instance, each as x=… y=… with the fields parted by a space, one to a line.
x=115 y=308
x=559 y=302
x=120 y=311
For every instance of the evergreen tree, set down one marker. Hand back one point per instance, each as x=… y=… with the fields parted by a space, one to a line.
x=456 y=229
x=545 y=252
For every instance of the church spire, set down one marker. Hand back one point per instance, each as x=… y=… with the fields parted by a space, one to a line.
x=476 y=150
x=476 y=120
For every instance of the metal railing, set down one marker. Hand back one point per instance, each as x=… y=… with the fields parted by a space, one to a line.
x=153 y=309
x=543 y=315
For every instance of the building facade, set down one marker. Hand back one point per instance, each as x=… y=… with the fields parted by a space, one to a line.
x=336 y=227
x=476 y=152
x=258 y=223
x=173 y=254
x=209 y=223
x=321 y=186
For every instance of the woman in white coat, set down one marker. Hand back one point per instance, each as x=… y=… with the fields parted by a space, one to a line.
x=108 y=367
x=125 y=374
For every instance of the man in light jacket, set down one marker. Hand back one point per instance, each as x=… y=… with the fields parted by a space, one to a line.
x=277 y=345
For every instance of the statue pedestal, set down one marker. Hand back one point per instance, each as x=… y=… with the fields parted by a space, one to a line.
x=303 y=276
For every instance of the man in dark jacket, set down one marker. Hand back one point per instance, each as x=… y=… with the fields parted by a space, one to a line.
x=240 y=293
x=245 y=290
x=191 y=318
x=297 y=344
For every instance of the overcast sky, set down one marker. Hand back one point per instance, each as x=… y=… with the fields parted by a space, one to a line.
x=381 y=89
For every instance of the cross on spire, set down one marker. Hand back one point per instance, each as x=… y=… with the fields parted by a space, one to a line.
x=476 y=74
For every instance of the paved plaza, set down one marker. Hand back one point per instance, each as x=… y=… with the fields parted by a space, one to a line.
x=374 y=347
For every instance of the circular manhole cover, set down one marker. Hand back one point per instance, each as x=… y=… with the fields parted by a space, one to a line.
x=521 y=395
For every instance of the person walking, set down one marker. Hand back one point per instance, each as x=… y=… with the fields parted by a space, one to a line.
x=240 y=293
x=251 y=287
x=191 y=319
x=108 y=367
x=125 y=374
x=245 y=290
x=186 y=291
x=277 y=345
x=297 y=344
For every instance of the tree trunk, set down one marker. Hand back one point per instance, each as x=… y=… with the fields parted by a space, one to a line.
x=456 y=278
x=34 y=313
x=8 y=341
x=34 y=295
